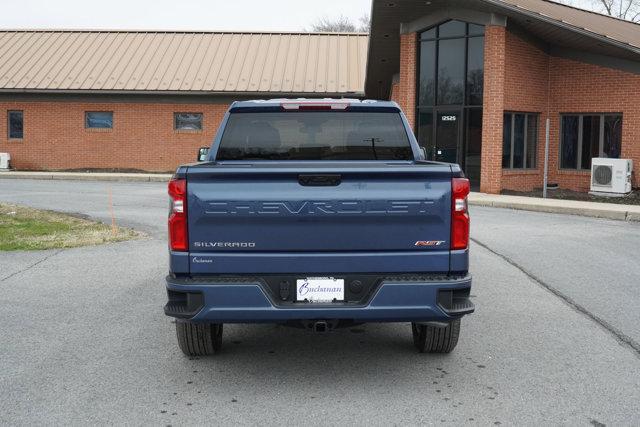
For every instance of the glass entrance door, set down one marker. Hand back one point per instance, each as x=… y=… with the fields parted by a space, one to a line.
x=473 y=145
x=448 y=131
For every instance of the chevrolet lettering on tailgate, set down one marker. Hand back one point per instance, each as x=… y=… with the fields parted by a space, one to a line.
x=349 y=207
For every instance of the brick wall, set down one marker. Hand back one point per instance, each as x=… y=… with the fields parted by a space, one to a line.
x=585 y=88
x=536 y=82
x=395 y=94
x=493 y=109
x=404 y=92
x=142 y=138
x=526 y=90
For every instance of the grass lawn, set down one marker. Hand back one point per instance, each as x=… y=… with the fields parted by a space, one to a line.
x=23 y=228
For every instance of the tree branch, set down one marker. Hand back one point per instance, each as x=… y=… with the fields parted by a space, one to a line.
x=626 y=10
x=607 y=6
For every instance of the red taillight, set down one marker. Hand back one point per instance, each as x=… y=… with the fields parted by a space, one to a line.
x=459 y=215
x=178 y=231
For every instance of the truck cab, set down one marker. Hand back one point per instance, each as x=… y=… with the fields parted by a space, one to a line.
x=318 y=214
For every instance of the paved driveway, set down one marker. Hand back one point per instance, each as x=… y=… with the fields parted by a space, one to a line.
x=84 y=339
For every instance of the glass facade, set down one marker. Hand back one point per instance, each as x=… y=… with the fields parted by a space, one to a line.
x=450 y=88
x=427 y=86
x=475 y=71
x=473 y=142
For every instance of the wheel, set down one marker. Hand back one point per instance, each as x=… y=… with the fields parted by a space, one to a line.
x=431 y=339
x=199 y=339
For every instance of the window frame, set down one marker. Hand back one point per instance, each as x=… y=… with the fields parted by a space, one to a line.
x=581 y=116
x=86 y=120
x=525 y=135
x=14 y=138
x=175 y=121
x=436 y=38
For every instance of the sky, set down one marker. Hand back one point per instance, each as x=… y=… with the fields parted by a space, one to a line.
x=238 y=15
x=211 y=15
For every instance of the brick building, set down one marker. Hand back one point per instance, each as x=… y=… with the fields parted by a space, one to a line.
x=127 y=100
x=478 y=80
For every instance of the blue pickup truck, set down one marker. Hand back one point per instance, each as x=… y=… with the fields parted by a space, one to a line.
x=318 y=214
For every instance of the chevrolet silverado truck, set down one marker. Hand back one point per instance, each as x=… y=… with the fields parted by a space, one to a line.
x=318 y=214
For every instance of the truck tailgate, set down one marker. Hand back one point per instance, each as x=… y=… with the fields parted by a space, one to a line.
x=310 y=218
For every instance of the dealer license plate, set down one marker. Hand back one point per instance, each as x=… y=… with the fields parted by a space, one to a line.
x=320 y=289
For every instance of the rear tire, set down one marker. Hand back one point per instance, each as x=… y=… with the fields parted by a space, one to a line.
x=431 y=339
x=199 y=339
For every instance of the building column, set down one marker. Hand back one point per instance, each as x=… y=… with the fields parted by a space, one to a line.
x=405 y=92
x=493 y=109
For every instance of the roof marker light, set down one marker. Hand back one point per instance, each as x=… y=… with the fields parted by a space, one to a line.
x=289 y=106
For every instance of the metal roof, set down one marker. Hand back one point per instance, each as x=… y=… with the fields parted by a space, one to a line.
x=552 y=23
x=616 y=29
x=182 y=62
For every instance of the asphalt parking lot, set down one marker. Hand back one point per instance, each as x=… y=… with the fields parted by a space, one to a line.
x=554 y=338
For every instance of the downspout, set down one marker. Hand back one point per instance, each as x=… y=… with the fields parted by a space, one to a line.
x=547 y=125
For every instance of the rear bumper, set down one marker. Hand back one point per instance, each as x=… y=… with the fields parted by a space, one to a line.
x=246 y=300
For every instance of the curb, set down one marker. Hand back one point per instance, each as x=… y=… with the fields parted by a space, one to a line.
x=566 y=207
x=72 y=176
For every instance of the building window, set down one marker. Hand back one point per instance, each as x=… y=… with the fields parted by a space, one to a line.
x=520 y=141
x=450 y=84
x=15 y=123
x=451 y=57
x=475 y=69
x=585 y=136
x=187 y=121
x=451 y=65
x=98 y=120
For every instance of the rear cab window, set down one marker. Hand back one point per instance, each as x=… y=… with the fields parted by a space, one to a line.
x=314 y=135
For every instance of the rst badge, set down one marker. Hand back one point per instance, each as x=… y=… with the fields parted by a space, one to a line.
x=430 y=242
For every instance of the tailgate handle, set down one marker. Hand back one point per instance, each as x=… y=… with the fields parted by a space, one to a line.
x=320 y=180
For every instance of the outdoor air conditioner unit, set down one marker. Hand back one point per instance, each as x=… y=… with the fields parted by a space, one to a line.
x=612 y=176
x=5 y=159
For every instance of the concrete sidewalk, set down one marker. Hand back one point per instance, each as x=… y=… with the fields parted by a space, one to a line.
x=569 y=207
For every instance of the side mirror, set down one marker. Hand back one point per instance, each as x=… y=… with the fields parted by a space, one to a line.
x=423 y=151
x=203 y=152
